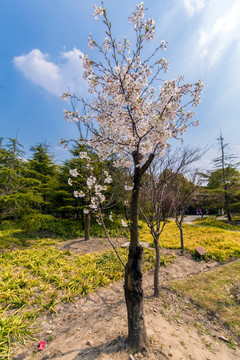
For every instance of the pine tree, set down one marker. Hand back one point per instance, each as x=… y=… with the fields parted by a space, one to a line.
x=44 y=171
x=16 y=188
x=226 y=174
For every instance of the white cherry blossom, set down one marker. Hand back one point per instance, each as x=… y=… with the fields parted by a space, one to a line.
x=128 y=187
x=80 y=194
x=98 y=11
x=73 y=172
x=124 y=224
x=91 y=181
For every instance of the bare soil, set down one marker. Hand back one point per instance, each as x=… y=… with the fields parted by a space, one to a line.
x=95 y=326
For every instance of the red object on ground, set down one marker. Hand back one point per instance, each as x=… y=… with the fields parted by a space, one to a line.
x=41 y=345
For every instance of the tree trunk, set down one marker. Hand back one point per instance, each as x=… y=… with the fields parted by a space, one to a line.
x=224 y=180
x=137 y=338
x=181 y=236
x=156 y=269
x=87 y=227
x=227 y=204
x=179 y=223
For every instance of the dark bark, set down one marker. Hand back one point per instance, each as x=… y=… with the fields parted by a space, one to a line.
x=137 y=337
x=156 y=269
x=227 y=204
x=181 y=236
x=179 y=223
x=87 y=227
x=224 y=180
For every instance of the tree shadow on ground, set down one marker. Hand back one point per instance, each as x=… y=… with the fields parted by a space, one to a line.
x=92 y=352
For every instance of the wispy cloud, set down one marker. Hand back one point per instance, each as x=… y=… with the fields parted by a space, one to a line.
x=194 y=6
x=55 y=78
x=237 y=150
x=218 y=33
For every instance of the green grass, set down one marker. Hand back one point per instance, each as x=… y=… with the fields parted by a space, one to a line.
x=217 y=291
x=220 y=224
x=10 y=238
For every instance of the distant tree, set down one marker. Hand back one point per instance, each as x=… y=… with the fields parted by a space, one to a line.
x=232 y=176
x=225 y=176
x=43 y=170
x=16 y=188
x=185 y=188
x=165 y=192
x=156 y=205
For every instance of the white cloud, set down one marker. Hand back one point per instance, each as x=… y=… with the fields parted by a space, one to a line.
x=237 y=150
x=194 y=6
x=219 y=33
x=52 y=77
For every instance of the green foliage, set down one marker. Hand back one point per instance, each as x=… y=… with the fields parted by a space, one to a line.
x=10 y=238
x=235 y=208
x=215 y=180
x=35 y=222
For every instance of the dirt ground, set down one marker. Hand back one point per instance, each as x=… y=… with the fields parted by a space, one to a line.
x=95 y=326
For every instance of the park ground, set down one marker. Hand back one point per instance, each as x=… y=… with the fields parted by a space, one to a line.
x=95 y=326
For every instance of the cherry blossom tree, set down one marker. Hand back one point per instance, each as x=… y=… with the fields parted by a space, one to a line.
x=89 y=187
x=132 y=114
x=94 y=194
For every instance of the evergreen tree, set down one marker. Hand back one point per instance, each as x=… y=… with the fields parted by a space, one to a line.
x=44 y=171
x=16 y=188
x=225 y=177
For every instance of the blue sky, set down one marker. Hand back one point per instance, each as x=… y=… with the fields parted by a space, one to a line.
x=40 y=45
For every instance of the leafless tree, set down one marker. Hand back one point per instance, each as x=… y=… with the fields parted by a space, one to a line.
x=164 y=193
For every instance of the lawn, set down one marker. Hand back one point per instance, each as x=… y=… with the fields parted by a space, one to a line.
x=212 y=221
x=220 y=244
x=35 y=275
x=224 y=301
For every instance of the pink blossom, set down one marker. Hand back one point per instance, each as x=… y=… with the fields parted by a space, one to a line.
x=98 y=11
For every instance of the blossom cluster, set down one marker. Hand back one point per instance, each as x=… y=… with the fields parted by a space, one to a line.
x=98 y=11
x=93 y=193
x=133 y=112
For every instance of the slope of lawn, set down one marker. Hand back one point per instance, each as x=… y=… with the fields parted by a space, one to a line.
x=220 y=244
x=212 y=221
x=224 y=301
